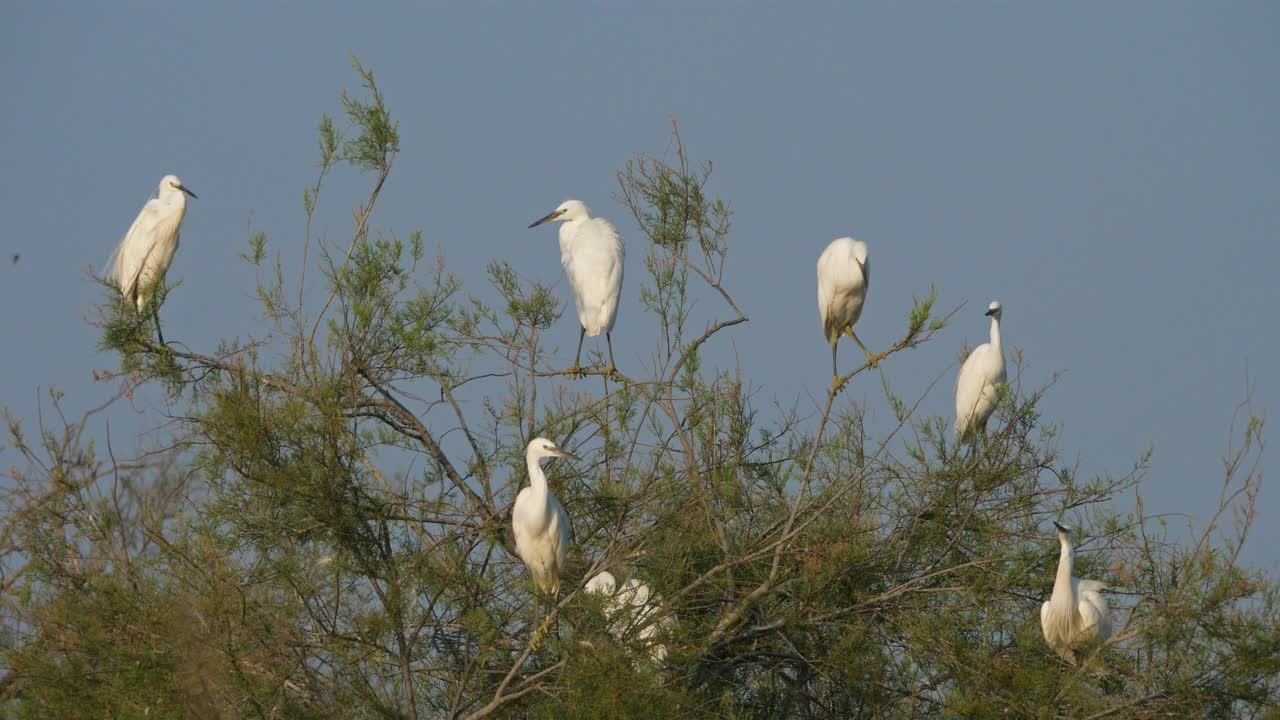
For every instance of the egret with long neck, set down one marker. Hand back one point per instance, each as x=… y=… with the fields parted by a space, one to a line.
x=1075 y=615
x=539 y=523
x=144 y=255
x=977 y=386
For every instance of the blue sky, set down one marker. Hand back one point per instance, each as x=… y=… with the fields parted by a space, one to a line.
x=1109 y=171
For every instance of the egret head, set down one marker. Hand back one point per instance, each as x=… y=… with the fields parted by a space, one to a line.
x=568 y=211
x=1062 y=529
x=994 y=310
x=172 y=184
x=543 y=448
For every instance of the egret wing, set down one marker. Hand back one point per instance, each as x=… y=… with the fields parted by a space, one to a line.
x=558 y=531
x=1093 y=608
x=593 y=260
x=969 y=386
x=138 y=243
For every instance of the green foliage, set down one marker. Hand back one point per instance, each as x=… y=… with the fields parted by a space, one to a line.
x=328 y=532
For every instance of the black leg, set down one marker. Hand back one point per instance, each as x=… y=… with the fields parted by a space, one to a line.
x=582 y=333
x=608 y=338
x=155 y=312
x=834 y=371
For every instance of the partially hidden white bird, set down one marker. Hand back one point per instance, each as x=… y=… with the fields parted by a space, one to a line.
x=144 y=255
x=979 y=380
x=843 y=276
x=592 y=254
x=539 y=523
x=629 y=606
x=1075 y=615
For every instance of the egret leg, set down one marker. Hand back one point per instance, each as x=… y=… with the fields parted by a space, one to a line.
x=608 y=338
x=155 y=313
x=577 y=369
x=836 y=383
x=872 y=359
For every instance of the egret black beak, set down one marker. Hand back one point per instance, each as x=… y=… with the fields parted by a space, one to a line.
x=1061 y=528
x=545 y=218
x=561 y=453
x=992 y=311
x=184 y=189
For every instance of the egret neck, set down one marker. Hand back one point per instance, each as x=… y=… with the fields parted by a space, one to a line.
x=537 y=481
x=1062 y=583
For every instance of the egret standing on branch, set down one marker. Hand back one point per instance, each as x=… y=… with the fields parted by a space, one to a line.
x=843 y=277
x=539 y=523
x=979 y=380
x=592 y=254
x=1075 y=616
x=144 y=255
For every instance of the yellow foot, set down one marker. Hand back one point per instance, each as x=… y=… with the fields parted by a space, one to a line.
x=611 y=372
x=540 y=634
x=838 y=383
x=874 y=360
x=574 y=371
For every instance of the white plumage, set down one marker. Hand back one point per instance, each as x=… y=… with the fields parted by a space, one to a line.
x=146 y=252
x=843 y=276
x=629 y=606
x=539 y=523
x=592 y=254
x=1075 y=615
x=979 y=380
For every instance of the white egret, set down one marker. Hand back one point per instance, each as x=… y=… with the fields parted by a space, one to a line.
x=978 y=381
x=631 y=602
x=592 y=254
x=1075 y=616
x=843 y=276
x=539 y=523
x=146 y=252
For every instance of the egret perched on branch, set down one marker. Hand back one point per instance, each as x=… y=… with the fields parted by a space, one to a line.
x=1075 y=616
x=980 y=377
x=843 y=276
x=144 y=255
x=539 y=523
x=591 y=252
x=633 y=598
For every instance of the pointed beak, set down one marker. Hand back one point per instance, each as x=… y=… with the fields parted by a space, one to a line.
x=1061 y=528
x=563 y=454
x=545 y=218
x=184 y=189
x=992 y=311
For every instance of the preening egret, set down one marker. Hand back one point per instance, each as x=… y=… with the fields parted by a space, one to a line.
x=1075 y=616
x=980 y=376
x=592 y=254
x=539 y=523
x=144 y=255
x=843 y=276
x=628 y=606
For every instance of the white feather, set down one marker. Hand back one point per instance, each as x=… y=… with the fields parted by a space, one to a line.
x=979 y=380
x=629 y=608
x=540 y=524
x=146 y=252
x=844 y=274
x=1074 y=617
x=592 y=254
